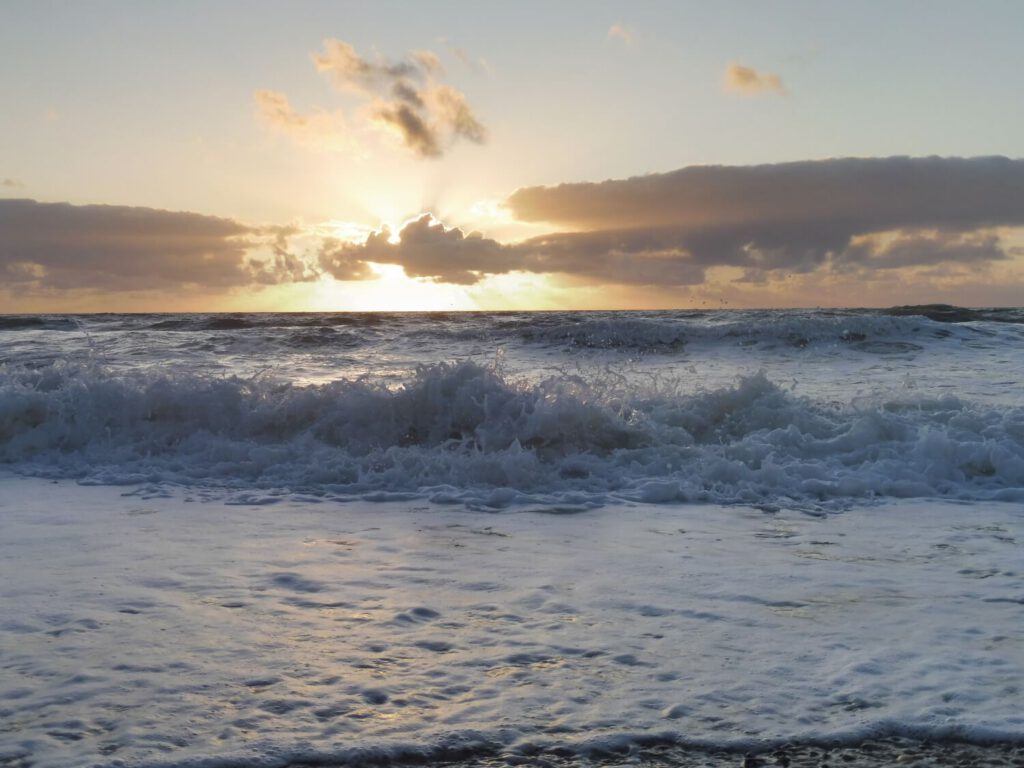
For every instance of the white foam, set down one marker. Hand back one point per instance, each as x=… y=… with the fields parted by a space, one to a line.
x=467 y=432
x=156 y=632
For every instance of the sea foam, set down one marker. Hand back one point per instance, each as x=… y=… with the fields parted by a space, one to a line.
x=467 y=432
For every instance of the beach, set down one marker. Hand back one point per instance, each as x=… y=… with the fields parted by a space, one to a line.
x=644 y=538
x=486 y=385
x=168 y=630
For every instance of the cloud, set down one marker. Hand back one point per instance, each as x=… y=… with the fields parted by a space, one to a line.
x=352 y=72
x=792 y=216
x=479 y=65
x=837 y=216
x=451 y=110
x=425 y=248
x=747 y=80
x=917 y=221
x=11 y=183
x=921 y=249
x=325 y=130
x=407 y=100
x=429 y=62
x=624 y=33
x=59 y=246
x=870 y=194
x=405 y=121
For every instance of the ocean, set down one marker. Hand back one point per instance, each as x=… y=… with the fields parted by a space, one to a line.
x=552 y=538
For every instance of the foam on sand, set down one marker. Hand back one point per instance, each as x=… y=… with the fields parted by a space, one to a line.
x=158 y=632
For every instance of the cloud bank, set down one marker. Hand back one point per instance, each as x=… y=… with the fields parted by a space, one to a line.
x=405 y=98
x=905 y=223
x=64 y=247
x=842 y=216
x=747 y=80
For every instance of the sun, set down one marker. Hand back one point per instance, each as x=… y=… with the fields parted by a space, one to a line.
x=390 y=290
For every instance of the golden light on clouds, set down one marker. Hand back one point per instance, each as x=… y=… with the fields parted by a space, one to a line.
x=769 y=235
x=403 y=98
x=749 y=81
x=317 y=130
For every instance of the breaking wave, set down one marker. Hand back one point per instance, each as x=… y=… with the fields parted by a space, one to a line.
x=463 y=432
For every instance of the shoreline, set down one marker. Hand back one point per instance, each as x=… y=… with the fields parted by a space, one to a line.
x=873 y=753
x=149 y=630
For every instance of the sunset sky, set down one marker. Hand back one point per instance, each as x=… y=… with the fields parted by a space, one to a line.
x=359 y=156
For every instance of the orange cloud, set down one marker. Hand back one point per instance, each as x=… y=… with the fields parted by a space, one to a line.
x=323 y=130
x=747 y=80
x=409 y=101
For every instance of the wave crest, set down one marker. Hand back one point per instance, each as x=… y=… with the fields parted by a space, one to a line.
x=465 y=432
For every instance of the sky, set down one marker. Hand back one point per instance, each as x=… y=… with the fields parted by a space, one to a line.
x=232 y=156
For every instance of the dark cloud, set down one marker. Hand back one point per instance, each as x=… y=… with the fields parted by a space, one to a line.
x=406 y=122
x=918 y=249
x=351 y=71
x=861 y=194
x=409 y=100
x=402 y=91
x=631 y=257
x=425 y=248
x=59 y=246
x=793 y=218
x=11 y=183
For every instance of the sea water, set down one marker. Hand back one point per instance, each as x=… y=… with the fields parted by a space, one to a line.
x=358 y=537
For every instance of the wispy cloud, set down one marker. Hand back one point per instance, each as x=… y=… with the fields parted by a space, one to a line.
x=475 y=64
x=747 y=80
x=323 y=130
x=12 y=183
x=350 y=71
x=626 y=34
x=407 y=99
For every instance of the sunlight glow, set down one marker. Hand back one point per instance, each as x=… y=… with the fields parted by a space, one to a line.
x=391 y=291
